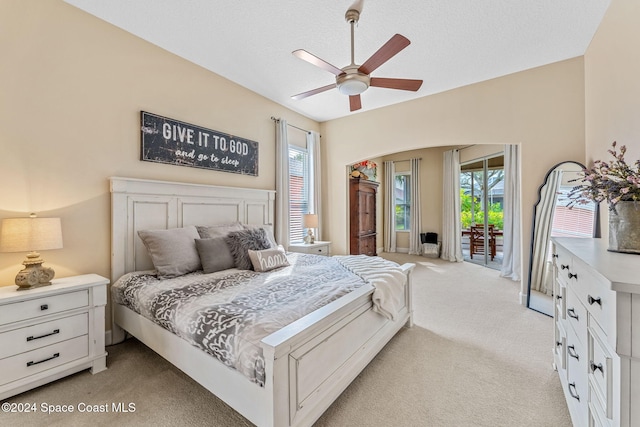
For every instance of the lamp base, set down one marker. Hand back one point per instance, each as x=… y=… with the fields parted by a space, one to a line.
x=309 y=238
x=34 y=275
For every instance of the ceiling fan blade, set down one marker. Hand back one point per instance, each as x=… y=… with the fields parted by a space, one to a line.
x=354 y=102
x=306 y=56
x=313 y=91
x=386 y=52
x=402 y=84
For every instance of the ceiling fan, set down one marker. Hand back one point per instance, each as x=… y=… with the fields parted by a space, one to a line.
x=354 y=79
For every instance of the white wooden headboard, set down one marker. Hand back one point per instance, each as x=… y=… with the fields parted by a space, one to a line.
x=138 y=204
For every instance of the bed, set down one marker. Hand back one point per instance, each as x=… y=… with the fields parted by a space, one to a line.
x=307 y=363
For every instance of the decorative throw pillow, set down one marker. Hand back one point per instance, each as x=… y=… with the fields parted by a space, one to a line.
x=240 y=242
x=214 y=254
x=268 y=259
x=173 y=251
x=210 y=231
x=268 y=229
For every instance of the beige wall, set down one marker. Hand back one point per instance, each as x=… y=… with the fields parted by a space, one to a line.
x=541 y=109
x=612 y=87
x=72 y=87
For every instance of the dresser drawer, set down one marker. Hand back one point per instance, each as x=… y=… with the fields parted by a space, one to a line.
x=577 y=384
x=600 y=366
x=560 y=348
x=593 y=293
x=43 y=306
x=34 y=361
x=42 y=334
x=576 y=315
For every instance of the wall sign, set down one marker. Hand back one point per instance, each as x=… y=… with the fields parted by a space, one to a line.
x=177 y=143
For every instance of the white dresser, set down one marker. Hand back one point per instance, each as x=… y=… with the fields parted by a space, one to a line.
x=50 y=332
x=597 y=332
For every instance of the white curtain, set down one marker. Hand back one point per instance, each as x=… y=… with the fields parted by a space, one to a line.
x=451 y=228
x=282 y=184
x=540 y=264
x=415 y=216
x=315 y=178
x=512 y=262
x=389 y=207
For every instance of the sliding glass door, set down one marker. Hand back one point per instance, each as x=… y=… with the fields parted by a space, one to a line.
x=481 y=197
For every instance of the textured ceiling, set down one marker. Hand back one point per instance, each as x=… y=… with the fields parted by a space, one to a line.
x=453 y=42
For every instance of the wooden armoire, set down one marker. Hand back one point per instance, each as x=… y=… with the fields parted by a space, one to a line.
x=362 y=216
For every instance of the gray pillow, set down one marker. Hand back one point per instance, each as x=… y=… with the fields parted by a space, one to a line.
x=268 y=230
x=268 y=259
x=240 y=242
x=214 y=254
x=173 y=251
x=210 y=231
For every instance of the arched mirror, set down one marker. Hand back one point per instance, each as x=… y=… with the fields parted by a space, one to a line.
x=552 y=217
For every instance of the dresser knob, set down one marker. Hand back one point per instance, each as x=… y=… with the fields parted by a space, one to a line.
x=44 y=307
x=591 y=300
x=595 y=367
x=571 y=275
x=554 y=255
x=558 y=343
x=564 y=267
x=558 y=296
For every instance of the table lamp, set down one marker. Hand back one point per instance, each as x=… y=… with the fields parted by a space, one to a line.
x=310 y=221
x=31 y=235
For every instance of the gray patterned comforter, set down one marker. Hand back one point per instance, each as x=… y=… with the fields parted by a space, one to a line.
x=227 y=313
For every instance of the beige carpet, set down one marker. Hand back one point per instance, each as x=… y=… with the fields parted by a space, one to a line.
x=475 y=358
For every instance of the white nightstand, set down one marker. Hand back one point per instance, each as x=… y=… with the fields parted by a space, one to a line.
x=317 y=248
x=51 y=332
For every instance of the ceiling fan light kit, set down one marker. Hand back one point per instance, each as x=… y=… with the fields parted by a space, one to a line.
x=354 y=79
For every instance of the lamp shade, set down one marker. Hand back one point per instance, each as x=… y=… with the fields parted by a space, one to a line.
x=30 y=234
x=310 y=220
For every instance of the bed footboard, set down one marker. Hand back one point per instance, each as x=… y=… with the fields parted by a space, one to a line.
x=316 y=358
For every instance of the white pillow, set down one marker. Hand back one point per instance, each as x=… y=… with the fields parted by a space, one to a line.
x=268 y=259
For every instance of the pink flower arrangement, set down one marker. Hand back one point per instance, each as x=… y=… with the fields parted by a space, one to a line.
x=613 y=181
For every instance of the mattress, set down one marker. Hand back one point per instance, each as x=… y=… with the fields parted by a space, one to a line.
x=228 y=313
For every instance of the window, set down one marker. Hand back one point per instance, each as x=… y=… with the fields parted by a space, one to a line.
x=298 y=191
x=402 y=201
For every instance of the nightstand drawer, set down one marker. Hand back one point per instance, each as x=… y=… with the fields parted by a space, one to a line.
x=321 y=250
x=29 y=363
x=42 y=334
x=43 y=306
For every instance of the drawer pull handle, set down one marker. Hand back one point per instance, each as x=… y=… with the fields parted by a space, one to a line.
x=31 y=338
x=572 y=313
x=593 y=300
x=571 y=275
x=43 y=360
x=558 y=343
x=44 y=307
x=558 y=296
x=573 y=392
x=564 y=267
x=572 y=352
x=594 y=367
x=554 y=255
